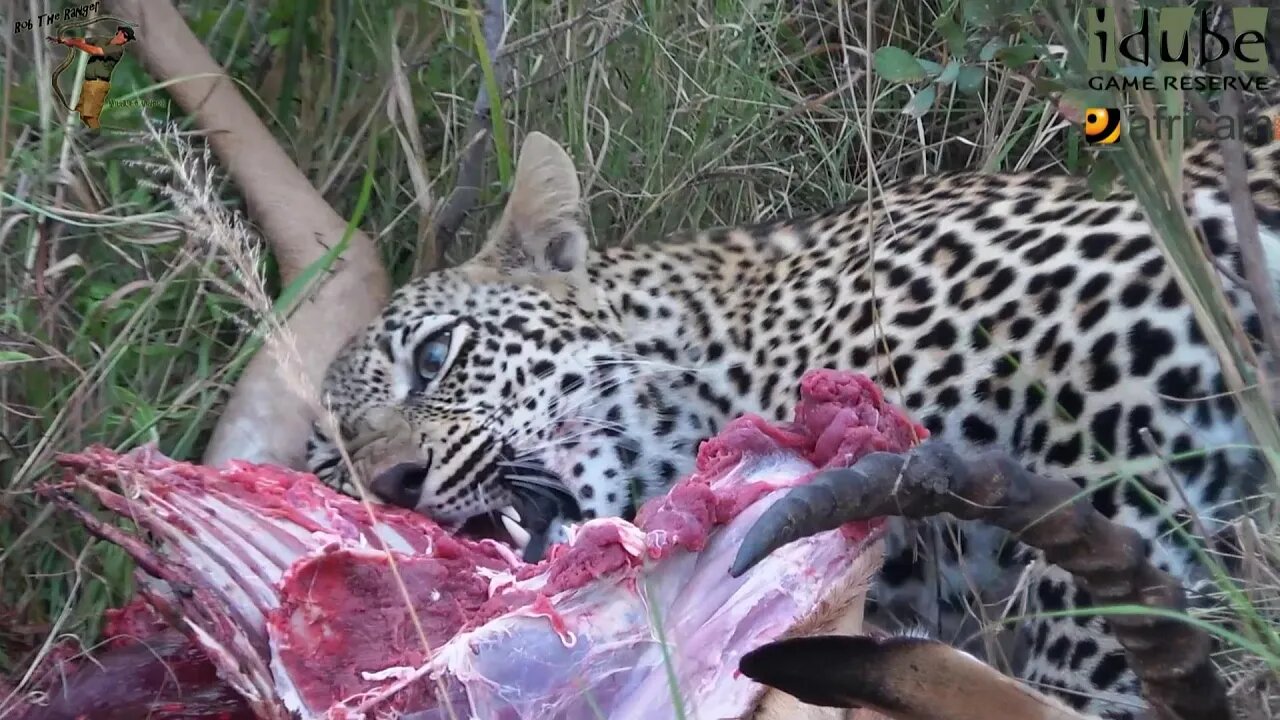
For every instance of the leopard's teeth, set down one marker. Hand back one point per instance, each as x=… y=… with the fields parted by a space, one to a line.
x=519 y=535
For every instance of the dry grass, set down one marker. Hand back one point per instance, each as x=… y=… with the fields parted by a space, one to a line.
x=120 y=325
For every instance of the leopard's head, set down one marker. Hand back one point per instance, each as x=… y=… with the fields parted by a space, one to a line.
x=480 y=387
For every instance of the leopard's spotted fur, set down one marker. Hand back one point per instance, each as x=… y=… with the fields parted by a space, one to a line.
x=1008 y=310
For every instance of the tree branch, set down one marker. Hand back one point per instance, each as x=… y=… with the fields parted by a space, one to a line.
x=1260 y=284
x=466 y=189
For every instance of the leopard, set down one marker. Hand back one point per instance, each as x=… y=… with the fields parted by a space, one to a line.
x=545 y=381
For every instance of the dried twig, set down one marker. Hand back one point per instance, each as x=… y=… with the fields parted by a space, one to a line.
x=1258 y=277
x=1169 y=656
x=513 y=47
x=466 y=190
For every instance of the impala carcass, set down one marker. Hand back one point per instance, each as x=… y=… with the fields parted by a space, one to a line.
x=309 y=604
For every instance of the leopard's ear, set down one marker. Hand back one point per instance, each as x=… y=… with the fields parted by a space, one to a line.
x=541 y=230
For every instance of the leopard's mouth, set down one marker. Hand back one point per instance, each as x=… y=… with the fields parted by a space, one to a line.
x=491 y=525
x=535 y=519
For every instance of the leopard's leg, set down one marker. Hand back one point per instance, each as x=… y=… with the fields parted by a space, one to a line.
x=1076 y=658
x=949 y=580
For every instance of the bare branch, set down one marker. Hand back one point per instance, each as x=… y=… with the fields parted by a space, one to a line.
x=1258 y=277
x=466 y=189
x=1169 y=656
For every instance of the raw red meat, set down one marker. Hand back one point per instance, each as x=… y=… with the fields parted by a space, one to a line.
x=301 y=597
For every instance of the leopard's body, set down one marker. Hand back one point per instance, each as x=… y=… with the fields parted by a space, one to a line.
x=1002 y=310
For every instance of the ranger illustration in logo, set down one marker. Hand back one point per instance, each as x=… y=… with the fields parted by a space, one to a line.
x=104 y=55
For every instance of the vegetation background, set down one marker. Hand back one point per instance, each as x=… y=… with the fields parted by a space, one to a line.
x=680 y=115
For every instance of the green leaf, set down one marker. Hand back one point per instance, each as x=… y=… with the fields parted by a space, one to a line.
x=950 y=74
x=1074 y=156
x=496 y=117
x=930 y=67
x=970 y=79
x=993 y=46
x=898 y=65
x=13 y=356
x=980 y=12
x=1076 y=100
x=99 y=290
x=278 y=37
x=1102 y=177
x=922 y=102
x=953 y=34
x=1176 y=139
x=1015 y=56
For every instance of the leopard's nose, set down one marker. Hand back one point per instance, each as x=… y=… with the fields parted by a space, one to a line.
x=401 y=484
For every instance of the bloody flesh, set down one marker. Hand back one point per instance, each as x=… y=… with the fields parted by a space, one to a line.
x=292 y=593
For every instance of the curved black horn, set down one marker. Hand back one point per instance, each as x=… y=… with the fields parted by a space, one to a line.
x=1169 y=656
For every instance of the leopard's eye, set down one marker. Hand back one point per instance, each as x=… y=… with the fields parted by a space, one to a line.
x=432 y=354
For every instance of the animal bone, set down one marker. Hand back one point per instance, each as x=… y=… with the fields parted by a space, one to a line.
x=262 y=422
